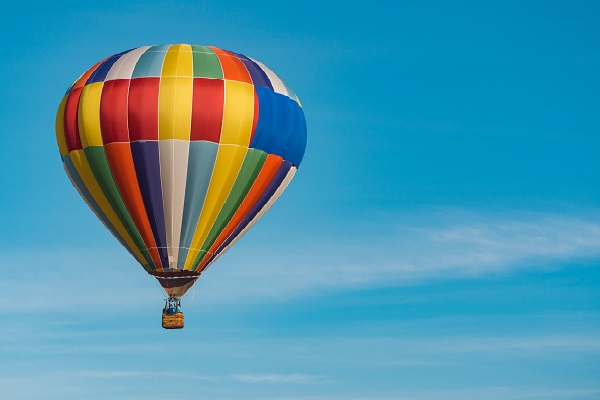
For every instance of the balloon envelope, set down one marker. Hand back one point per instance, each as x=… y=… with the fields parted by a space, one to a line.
x=179 y=150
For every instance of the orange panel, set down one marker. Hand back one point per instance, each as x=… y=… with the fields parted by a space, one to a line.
x=83 y=78
x=264 y=178
x=123 y=171
x=233 y=68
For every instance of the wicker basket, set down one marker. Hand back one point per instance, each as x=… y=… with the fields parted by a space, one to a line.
x=172 y=321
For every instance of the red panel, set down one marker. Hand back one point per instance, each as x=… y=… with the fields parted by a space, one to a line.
x=123 y=171
x=207 y=109
x=233 y=68
x=143 y=109
x=71 y=125
x=113 y=111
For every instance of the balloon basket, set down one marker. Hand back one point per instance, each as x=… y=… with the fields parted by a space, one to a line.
x=172 y=321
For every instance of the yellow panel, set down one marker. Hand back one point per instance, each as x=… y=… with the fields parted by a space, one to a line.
x=60 y=128
x=82 y=166
x=238 y=113
x=88 y=115
x=227 y=166
x=178 y=61
x=175 y=108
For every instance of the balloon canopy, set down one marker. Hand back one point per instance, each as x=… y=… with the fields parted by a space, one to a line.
x=179 y=150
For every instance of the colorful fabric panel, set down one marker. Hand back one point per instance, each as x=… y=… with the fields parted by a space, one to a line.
x=179 y=149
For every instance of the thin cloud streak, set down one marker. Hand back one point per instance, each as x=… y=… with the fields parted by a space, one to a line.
x=140 y=374
x=395 y=250
x=474 y=393
x=436 y=245
x=277 y=378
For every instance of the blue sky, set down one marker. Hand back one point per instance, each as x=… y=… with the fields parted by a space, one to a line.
x=441 y=239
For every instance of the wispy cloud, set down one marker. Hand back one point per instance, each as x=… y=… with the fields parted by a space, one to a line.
x=277 y=378
x=500 y=345
x=116 y=374
x=62 y=279
x=401 y=250
x=387 y=250
x=107 y=374
x=426 y=352
x=473 y=393
x=483 y=242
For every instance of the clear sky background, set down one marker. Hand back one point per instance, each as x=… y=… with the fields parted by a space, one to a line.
x=441 y=239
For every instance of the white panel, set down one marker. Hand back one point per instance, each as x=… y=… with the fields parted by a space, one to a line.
x=123 y=67
x=173 y=173
x=114 y=70
x=284 y=184
x=278 y=85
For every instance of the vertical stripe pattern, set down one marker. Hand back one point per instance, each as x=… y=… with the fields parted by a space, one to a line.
x=179 y=150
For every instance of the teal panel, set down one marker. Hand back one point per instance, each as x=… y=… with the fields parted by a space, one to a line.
x=201 y=162
x=150 y=63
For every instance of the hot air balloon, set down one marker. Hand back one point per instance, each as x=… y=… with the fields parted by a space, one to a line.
x=179 y=150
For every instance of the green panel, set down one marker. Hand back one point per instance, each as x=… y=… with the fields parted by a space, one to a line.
x=99 y=165
x=91 y=202
x=250 y=169
x=206 y=63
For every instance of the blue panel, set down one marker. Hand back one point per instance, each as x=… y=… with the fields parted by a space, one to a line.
x=281 y=128
x=267 y=124
x=151 y=62
x=147 y=169
x=72 y=171
x=160 y=47
x=297 y=124
x=99 y=75
x=259 y=78
x=201 y=162
x=290 y=128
